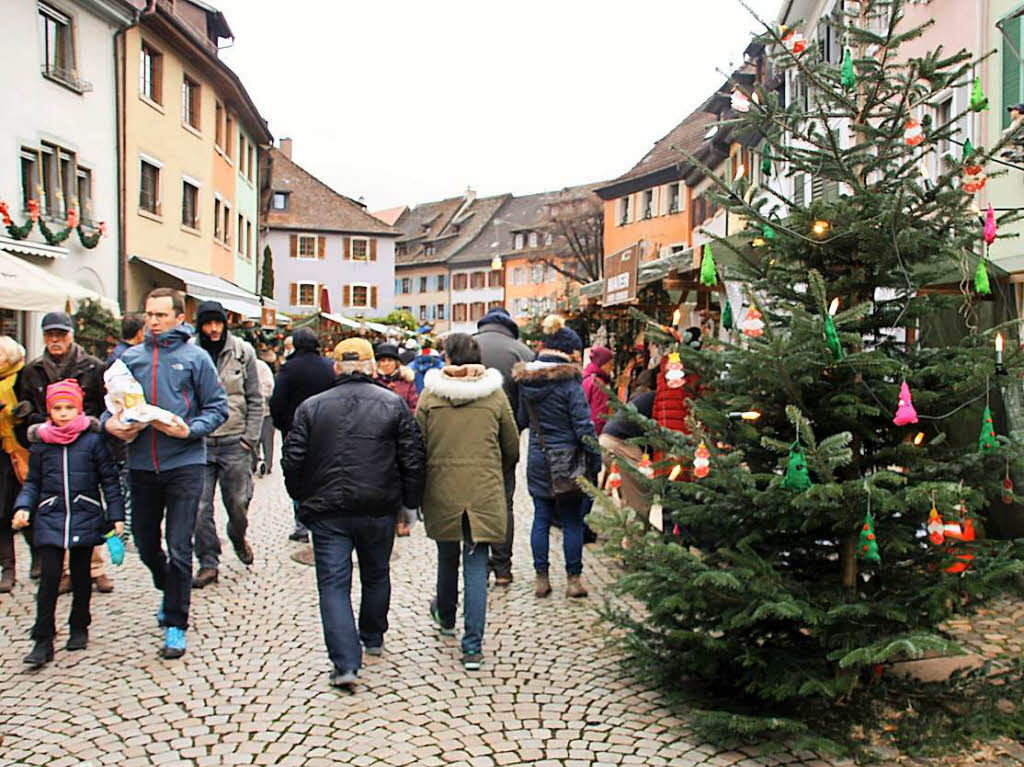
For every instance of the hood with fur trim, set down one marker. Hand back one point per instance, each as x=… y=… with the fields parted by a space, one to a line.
x=541 y=371
x=460 y=384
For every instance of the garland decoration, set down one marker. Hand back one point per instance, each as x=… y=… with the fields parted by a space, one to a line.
x=72 y=223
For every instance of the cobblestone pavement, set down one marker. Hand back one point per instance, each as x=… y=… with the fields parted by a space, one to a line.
x=252 y=688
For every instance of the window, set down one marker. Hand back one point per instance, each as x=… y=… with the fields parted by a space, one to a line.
x=519 y=275
x=360 y=249
x=151 y=65
x=58 y=44
x=29 y=176
x=548 y=238
x=428 y=249
x=149 y=187
x=423 y=285
x=307 y=246
x=280 y=201
x=189 y=204
x=478 y=280
x=476 y=311
x=423 y=314
x=673 y=198
x=238 y=235
x=440 y=311
x=533 y=239
x=190 y=102
x=218 y=130
x=249 y=163
x=218 y=230
x=406 y=285
x=625 y=214
x=458 y=312
x=520 y=241
x=83 y=184
x=360 y=295
x=440 y=282
x=649 y=203
x=229 y=137
x=306 y=294
x=537 y=274
x=495 y=278
x=248 y=240
x=460 y=281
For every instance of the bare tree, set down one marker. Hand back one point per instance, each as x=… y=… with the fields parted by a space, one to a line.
x=575 y=221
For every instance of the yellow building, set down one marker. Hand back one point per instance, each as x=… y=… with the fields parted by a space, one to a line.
x=192 y=143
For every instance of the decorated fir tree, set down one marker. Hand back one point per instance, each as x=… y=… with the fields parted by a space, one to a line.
x=803 y=566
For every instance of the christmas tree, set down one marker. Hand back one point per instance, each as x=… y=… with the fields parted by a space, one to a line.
x=766 y=606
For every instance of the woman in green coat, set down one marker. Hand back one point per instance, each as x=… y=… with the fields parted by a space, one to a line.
x=471 y=438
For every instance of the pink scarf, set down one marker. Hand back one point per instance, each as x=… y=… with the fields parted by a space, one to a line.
x=66 y=434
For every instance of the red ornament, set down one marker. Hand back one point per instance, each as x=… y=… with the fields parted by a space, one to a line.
x=936 y=530
x=912 y=133
x=33 y=210
x=795 y=42
x=1007 y=488
x=614 y=481
x=72 y=220
x=974 y=179
x=5 y=213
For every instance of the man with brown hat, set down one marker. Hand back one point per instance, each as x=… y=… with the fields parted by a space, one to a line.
x=353 y=458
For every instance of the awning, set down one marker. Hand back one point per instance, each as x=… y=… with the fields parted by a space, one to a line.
x=209 y=287
x=374 y=326
x=26 y=287
x=27 y=248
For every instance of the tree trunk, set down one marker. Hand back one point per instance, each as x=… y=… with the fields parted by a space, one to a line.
x=848 y=560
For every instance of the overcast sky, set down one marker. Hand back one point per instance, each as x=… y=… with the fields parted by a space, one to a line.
x=406 y=102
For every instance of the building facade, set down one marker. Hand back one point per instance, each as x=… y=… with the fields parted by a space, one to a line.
x=192 y=139
x=58 y=140
x=325 y=245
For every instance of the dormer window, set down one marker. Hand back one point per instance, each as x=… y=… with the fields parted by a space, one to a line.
x=280 y=201
x=428 y=249
x=533 y=239
x=649 y=203
x=520 y=241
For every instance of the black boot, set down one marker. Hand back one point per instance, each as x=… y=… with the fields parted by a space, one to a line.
x=78 y=640
x=42 y=653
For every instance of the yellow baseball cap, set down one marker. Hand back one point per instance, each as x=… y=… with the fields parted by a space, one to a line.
x=353 y=350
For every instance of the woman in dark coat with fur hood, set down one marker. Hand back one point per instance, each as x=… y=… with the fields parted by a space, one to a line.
x=551 y=400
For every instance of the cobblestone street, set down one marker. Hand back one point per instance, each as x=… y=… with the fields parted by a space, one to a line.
x=252 y=688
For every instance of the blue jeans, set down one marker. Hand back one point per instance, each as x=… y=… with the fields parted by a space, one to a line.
x=173 y=494
x=334 y=540
x=474 y=574
x=570 y=512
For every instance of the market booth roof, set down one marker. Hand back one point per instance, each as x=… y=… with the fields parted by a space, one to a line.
x=26 y=287
x=209 y=287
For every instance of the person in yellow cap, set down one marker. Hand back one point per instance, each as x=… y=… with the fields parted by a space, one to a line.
x=353 y=458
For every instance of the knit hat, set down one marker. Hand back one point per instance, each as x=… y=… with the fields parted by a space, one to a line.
x=305 y=339
x=558 y=337
x=599 y=355
x=499 y=316
x=353 y=350
x=387 y=350
x=211 y=310
x=67 y=390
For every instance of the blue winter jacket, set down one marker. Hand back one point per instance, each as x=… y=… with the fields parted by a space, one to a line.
x=421 y=364
x=62 y=492
x=180 y=377
x=554 y=388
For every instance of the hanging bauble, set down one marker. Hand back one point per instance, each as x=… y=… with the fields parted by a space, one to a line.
x=968 y=151
x=987 y=438
x=868 y=550
x=614 y=479
x=675 y=376
x=936 y=530
x=727 y=315
x=1007 y=496
x=912 y=133
x=848 y=77
x=905 y=412
x=753 y=325
x=701 y=461
x=989 y=231
x=979 y=103
x=981 y=285
x=795 y=42
x=796 y=477
x=766 y=161
x=769 y=233
x=708 y=271
x=973 y=179
x=645 y=467
x=739 y=101
x=832 y=338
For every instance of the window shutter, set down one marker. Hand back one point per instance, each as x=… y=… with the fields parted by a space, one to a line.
x=348 y=249
x=321 y=247
x=798 y=189
x=346 y=294
x=319 y=294
x=294 y=245
x=158 y=79
x=1011 y=68
x=373 y=248
x=373 y=296
x=294 y=292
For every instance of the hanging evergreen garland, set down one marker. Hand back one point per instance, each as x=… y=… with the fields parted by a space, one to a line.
x=72 y=223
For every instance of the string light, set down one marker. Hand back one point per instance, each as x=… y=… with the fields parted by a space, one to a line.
x=746 y=415
x=999 y=348
x=919 y=438
x=758 y=242
x=820 y=228
x=674 y=474
x=676 y=317
x=833 y=307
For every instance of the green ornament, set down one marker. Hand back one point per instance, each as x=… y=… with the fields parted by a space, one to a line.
x=708 y=274
x=848 y=77
x=981 y=285
x=832 y=338
x=979 y=102
x=766 y=161
x=727 y=321
x=968 y=150
x=868 y=548
x=796 y=477
x=769 y=233
x=987 y=438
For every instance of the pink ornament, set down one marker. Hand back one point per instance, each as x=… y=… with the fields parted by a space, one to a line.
x=990 y=226
x=905 y=413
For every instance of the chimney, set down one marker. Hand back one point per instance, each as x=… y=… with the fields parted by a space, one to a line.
x=286 y=147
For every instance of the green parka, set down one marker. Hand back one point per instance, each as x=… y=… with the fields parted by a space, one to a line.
x=471 y=438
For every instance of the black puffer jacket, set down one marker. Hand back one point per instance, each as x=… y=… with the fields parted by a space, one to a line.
x=304 y=374
x=354 y=450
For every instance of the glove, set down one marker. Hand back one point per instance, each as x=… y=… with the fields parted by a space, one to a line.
x=116 y=548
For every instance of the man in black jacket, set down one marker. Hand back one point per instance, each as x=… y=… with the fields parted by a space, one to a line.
x=500 y=348
x=304 y=374
x=353 y=458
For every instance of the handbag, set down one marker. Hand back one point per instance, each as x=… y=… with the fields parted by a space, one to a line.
x=565 y=464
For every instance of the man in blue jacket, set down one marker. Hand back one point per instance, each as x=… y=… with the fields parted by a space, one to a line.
x=168 y=463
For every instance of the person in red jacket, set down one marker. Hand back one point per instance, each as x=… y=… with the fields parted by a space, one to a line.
x=596 y=377
x=402 y=381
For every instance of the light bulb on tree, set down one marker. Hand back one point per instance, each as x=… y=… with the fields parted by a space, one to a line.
x=918 y=438
x=677 y=317
x=833 y=307
x=1000 y=367
x=820 y=228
